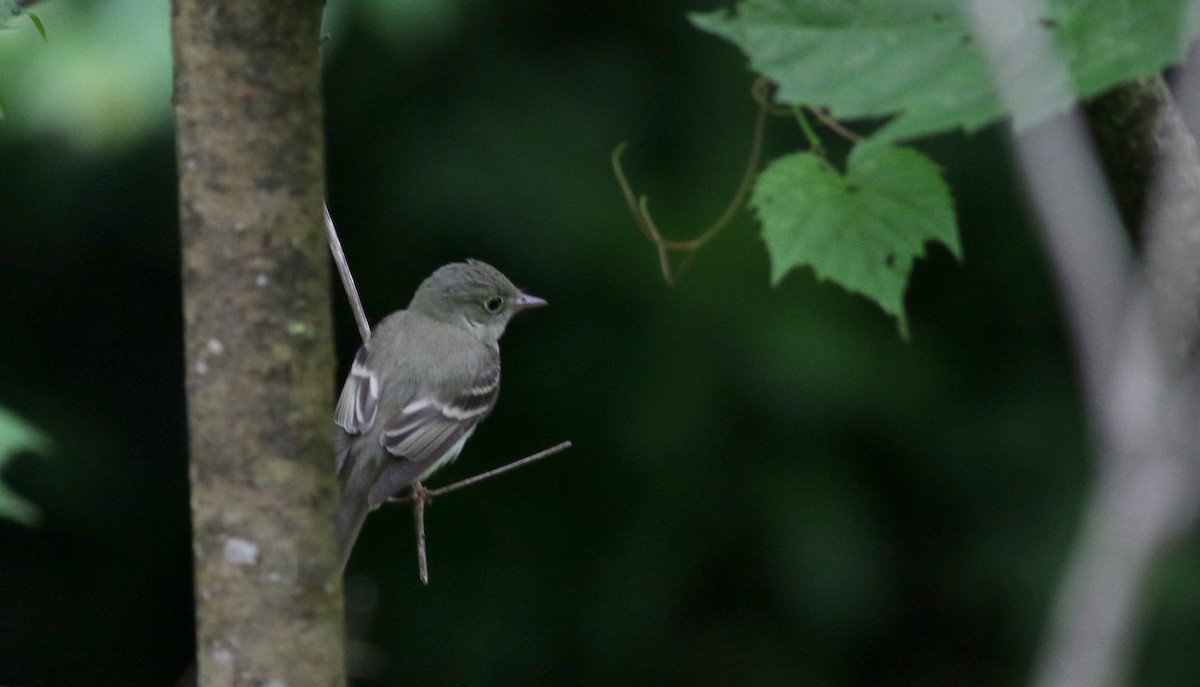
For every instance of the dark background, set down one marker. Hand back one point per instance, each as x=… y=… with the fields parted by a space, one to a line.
x=768 y=486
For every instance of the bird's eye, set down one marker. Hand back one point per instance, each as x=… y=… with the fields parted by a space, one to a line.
x=494 y=303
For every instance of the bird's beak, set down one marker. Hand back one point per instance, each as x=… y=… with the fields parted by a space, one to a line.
x=526 y=301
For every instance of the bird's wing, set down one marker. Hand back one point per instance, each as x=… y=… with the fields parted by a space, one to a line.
x=429 y=432
x=359 y=402
x=357 y=406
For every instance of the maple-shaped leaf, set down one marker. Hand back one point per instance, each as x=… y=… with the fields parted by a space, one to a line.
x=862 y=229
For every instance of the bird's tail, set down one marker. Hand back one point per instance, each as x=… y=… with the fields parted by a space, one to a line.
x=351 y=515
x=355 y=477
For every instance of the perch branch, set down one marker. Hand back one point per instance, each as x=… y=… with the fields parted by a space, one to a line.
x=429 y=494
x=420 y=497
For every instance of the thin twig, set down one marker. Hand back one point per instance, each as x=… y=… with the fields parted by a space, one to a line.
x=545 y=453
x=339 y=259
x=837 y=127
x=763 y=92
x=419 y=502
x=641 y=214
x=429 y=494
x=421 y=497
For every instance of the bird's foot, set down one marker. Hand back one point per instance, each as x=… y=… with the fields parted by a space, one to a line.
x=420 y=493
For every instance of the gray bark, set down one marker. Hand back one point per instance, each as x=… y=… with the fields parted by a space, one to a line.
x=258 y=342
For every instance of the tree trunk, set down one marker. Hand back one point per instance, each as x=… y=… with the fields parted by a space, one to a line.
x=258 y=341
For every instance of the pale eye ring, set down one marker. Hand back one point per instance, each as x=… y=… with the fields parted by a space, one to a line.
x=494 y=304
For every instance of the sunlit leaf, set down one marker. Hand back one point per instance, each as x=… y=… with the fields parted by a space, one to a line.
x=861 y=230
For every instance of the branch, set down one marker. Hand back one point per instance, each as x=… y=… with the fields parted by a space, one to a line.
x=762 y=91
x=421 y=497
x=429 y=494
x=1153 y=166
x=835 y=125
x=640 y=210
x=1140 y=398
x=339 y=259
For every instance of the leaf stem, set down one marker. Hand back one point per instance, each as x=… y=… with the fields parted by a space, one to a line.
x=814 y=141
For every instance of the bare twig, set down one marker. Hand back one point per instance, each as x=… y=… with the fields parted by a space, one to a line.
x=339 y=259
x=429 y=494
x=762 y=91
x=838 y=128
x=420 y=497
x=545 y=453
x=641 y=213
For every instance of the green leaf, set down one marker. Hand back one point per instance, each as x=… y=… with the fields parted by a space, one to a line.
x=16 y=436
x=861 y=230
x=918 y=61
x=37 y=21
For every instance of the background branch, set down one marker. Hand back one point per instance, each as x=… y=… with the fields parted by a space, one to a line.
x=1130 y=337
x=639 y=206
x=343 y=268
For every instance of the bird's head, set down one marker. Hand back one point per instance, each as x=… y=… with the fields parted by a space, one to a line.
x=474 y=294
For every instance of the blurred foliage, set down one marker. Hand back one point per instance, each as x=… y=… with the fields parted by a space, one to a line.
x=9 y=9
x=16 y=436
x=767 y=486
x=102 y=81
x=926 y=66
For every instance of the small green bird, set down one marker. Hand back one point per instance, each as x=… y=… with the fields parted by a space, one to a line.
x=419 y=387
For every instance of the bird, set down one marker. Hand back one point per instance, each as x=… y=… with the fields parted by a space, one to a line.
x=419 y=386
